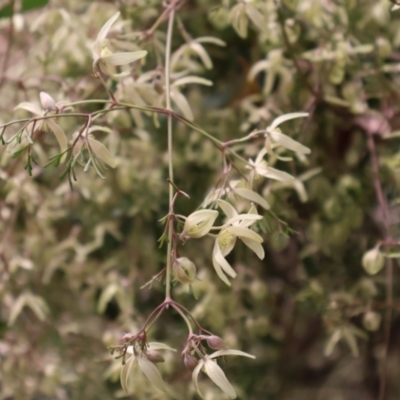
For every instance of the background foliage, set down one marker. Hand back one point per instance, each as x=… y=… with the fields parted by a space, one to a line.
x=72 y=261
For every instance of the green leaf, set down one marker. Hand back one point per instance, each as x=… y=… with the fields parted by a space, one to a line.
x=18 y=152
x=26 y=5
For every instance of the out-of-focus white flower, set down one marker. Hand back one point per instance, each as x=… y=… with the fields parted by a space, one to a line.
x=144 y=358
x=214 y=371
x=105 y=59
x=48 y=104
x=236 y=227
x=261 y=168
x=274 y=134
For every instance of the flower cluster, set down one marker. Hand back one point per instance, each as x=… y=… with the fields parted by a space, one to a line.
x=105 y=60
x=200 y=223
x=196 y=359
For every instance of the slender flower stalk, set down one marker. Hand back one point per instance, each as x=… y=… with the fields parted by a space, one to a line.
x=170 y=166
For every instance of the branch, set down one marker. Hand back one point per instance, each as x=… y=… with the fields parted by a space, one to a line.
x=383 y=206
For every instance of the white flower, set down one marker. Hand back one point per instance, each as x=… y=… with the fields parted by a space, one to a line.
x=48 y=104
x=105 y=59
x=198 y=224
x=279 y=139
x=214 y=371
x=184 y=270
x=236 y=227
x=142 y=359
x=261 y=168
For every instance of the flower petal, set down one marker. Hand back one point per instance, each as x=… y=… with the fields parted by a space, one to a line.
x=287 y=142
x=159 y=346
x=98 y=44
x=199 y=223
x=231 y=352
x=59 y=134
x=256 y=17
x=29 y=107
x=210 y=39
x=215 y=373
x=256 y=247
x=273 y=173
x=192 y=79
x=243 y=219
x=101 y=152
x=123 y=58
x=201 y=52
x=241 y=232
x=219 y=259
x=152 y=373
x=124 y=375
x=227 y=208
x=183 y=105
x=220 y=274
x=195 y=377
x=252 y=196
x=286 y=117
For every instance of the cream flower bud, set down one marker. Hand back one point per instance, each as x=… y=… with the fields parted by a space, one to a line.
x=216 y=343
x=184 y=270
x=371 y=321
x=373 y=261
x=198 y=224
x=190 y=362
x=47 y=102
x=154 y=356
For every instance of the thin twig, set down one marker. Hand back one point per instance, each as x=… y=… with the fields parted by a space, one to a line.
x=383 y=206
x=170 y=165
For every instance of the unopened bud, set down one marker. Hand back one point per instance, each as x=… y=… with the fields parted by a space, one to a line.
x=154 y=356
x=47 y=102
x=373 y=261
x=184 y=270
x=190 y=362
x=371 y=321
x=216 y=343
x=198 y=224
